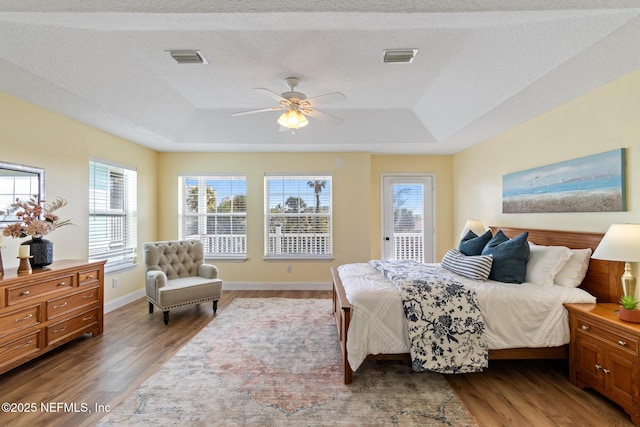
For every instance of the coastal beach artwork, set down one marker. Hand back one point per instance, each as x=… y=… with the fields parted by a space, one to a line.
x=594 y=183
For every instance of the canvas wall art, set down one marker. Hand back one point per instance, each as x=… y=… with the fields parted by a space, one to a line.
x=593 y=183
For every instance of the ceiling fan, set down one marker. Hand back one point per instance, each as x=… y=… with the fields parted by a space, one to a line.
x=297 y=106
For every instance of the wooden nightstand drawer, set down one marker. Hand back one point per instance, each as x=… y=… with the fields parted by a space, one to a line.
x=18 y=294
x=59 y=306
x=609 y=335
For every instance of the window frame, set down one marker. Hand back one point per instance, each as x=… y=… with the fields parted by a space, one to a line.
x=127 y=211
x=271 y=255
x=183 y=215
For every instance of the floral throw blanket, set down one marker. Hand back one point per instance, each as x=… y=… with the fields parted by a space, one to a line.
x=446 y=328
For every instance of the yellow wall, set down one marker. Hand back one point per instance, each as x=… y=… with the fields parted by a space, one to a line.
x=351 y=191
x=602 y=120
x=36 y=137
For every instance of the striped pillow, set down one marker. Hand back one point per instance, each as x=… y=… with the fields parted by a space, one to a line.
x=475 y=267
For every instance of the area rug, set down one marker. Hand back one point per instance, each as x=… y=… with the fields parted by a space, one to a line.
x=276 y=362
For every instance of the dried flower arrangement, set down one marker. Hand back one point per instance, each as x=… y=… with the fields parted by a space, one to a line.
x=35 y=219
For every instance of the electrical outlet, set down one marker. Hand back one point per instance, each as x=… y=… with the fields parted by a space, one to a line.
x=114 y=282
x=289 y=269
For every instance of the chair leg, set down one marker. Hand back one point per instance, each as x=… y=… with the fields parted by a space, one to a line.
x=165 y=316
x=215 y=306
x=150 y=308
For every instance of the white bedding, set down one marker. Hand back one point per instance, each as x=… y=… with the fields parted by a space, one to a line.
x=515 y=316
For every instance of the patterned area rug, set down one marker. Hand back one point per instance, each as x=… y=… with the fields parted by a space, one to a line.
x=276 y=362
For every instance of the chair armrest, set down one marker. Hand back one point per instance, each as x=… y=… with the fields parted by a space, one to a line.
x=155 y=280
x=208 y=271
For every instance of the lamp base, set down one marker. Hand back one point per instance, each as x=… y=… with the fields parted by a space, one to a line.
x=628 y=281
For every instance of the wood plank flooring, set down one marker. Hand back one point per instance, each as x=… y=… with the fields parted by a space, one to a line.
x=105 y=369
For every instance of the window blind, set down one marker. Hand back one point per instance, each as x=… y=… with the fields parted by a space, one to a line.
x=298 y=220
x=112 y=215
x=213 y=209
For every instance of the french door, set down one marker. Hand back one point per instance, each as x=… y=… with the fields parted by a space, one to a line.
x=407 y=217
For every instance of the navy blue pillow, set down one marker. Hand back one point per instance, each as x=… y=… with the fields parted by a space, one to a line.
x=510 y=257
x=472 y=244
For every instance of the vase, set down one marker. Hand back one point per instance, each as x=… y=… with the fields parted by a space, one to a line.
x=41 y=252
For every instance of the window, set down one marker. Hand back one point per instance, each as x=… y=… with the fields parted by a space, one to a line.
x=213 y=209
x=298 y=217
x=112 y=215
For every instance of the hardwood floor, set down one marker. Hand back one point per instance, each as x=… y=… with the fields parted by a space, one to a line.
x=104 y=370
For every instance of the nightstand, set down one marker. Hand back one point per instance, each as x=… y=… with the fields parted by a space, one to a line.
x=604 y=354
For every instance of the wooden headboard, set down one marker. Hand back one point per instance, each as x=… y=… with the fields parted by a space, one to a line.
x=603 y=277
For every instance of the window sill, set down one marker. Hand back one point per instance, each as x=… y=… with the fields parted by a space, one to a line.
x=227 y=258
x=298 y=258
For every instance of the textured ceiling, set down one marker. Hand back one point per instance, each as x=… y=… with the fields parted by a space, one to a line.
x=482 y=67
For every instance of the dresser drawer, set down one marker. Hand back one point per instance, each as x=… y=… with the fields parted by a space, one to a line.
x=59 y=306
x=21 y=293
x=61 y=330
x=615 y=338
x=89 y=277
x=18 y=348
x=19 y=319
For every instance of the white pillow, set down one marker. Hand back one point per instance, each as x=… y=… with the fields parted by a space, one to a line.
x=545 y=262
x=475 y=267
x=573 y=272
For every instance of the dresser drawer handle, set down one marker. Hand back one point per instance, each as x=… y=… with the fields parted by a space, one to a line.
x=61 y=284
x=598 y=367
x=55 y=307
x=55 y=331
x=90 y=276
x=605 y=370
x=84 y=319
x=25 y=294
x=585 y=328
x=622 y=343
x=27 y=344
x=88 y=296
x=20 y=319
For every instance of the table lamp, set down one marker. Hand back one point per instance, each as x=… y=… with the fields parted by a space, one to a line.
x=621 y=242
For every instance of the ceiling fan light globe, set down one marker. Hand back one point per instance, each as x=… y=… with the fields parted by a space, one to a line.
x=292 y=119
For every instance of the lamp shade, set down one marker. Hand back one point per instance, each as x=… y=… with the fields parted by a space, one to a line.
x=474 y=225
x=293 y=119
x=621 y=242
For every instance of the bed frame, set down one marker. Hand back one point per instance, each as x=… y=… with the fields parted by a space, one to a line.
x=602 y=281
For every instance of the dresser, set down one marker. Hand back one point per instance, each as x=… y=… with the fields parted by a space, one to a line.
x=47 y=308
x=604 y=354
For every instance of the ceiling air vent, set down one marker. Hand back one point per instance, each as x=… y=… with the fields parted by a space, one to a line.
x=398 y=56
x=188 y=56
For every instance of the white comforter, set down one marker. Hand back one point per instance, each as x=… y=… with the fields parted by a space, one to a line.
x=515 y=316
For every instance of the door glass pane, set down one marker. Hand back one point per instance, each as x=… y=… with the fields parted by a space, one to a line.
x=408 y=221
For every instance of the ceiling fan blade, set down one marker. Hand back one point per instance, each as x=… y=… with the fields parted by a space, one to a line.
x=271 y=94
x=320 y=115
x=261 y=110
x=327 y=98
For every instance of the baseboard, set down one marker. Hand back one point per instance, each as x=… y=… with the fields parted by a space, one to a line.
x=234 y=286
x=123 y=300
x=276 y=286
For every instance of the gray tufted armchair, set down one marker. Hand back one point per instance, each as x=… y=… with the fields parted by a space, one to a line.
x=176 y=275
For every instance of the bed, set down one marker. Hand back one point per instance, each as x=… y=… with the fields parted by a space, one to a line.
x=600 y=281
